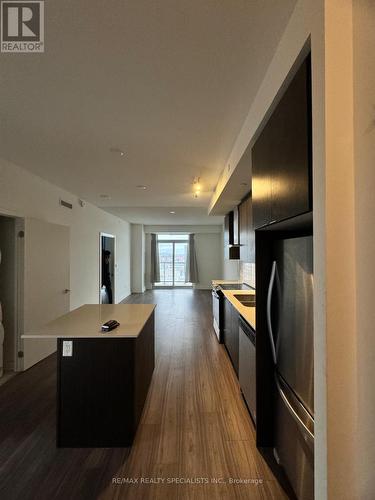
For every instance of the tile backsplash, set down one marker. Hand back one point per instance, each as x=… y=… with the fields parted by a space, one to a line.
x=247 y=273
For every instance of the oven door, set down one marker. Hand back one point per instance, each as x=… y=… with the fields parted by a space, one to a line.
x=216 y=306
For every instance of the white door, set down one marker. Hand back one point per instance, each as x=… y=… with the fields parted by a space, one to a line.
x=46 y=282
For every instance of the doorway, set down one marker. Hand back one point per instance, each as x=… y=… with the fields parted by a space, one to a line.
x=10 y=289
x=172 y=257
x=107 y=259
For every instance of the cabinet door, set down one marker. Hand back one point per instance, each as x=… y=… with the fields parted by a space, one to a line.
x=262 y=159
x=235 y=340
x=227 y=322
x=290 y=174
x=231 y=339
x=46 y=283
x=281 y=156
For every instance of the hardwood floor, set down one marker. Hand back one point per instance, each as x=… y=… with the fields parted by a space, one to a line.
x=195 y=433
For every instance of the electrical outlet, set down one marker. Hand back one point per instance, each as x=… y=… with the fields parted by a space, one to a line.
x=67 y=348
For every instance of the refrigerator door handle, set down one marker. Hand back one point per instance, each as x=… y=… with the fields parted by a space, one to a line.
x=269 y=300
x=293 y=413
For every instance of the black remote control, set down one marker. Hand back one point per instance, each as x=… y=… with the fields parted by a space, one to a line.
x=110 y=325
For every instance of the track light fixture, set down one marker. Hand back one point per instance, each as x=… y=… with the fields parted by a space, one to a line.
x=196 y=187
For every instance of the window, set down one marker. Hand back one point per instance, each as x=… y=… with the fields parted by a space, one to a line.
x=173 y=237
x=172 y=250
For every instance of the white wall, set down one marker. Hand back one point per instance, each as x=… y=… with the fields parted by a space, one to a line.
x=364 y=161
x=185 y=229
x=25 y=195
x=137 y=258
x=208 y=251
x=147 y=261
x=339 y=275
x=208 y=246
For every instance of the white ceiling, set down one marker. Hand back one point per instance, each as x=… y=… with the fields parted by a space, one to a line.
x=168 y=82
x=237 y=187
x=161 y=215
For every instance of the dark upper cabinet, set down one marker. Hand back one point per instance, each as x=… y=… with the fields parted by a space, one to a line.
x=230 y=234
x=261 y=186
x=281 y=156
x=247 y=234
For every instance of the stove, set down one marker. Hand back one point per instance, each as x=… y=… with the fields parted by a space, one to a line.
x=218 y=305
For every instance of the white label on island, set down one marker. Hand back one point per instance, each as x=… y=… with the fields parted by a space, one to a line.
x=67 y=348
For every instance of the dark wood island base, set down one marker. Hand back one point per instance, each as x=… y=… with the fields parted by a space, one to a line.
x=102 y=388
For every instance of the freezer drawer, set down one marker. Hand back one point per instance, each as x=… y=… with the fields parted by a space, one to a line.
x=294 y=444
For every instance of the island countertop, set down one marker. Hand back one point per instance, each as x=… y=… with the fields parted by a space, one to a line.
x=86 y=322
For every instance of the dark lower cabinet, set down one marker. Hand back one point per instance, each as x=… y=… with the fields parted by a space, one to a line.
x=102 y=388
x=231 y=334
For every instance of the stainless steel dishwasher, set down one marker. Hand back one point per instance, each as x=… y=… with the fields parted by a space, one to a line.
x=246 y=370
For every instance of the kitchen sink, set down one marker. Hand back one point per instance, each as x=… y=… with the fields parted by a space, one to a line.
x=247 y=300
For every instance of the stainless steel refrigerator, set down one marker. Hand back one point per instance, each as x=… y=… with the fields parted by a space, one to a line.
x=290 y=325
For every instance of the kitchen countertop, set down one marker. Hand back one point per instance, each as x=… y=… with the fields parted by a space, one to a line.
x=248 y=313
x=86 y=322
x=226 y=282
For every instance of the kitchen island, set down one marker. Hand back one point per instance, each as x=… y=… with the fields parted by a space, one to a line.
x=102 y=378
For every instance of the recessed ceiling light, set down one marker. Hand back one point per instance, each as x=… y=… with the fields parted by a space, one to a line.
x=172 y=212
x=105 y=196
x=117 y=151
x=141 y=187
